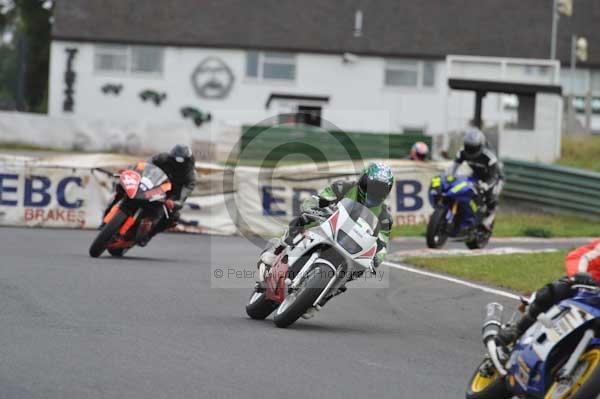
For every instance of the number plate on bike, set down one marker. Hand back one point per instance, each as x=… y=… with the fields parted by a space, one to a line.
x=555 y=325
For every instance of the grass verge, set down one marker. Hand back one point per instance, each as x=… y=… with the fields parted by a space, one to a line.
x=581 y=152
x=519 y=224
x=10 y=146
x=518 y=272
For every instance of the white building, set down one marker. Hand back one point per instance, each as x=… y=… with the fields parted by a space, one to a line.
x=363 y=66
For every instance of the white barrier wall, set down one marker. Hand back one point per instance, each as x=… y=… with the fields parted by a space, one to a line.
x=267 y=201
x=92 y=135
x=57 y=193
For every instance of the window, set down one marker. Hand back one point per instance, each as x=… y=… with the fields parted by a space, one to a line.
x=270 y=65
x=409 y=73
x=595 y=82
x=128 y=59
x=309 y=115
x=110 y=59
x=428 y=74
x=402 y=73
x=578 y=86
x=252 y=64
x=146 y=59
x=521 y=108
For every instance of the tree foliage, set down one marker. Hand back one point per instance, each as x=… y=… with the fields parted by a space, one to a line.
x=30 y=20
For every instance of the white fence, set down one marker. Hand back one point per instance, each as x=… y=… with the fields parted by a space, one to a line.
x=73 y=191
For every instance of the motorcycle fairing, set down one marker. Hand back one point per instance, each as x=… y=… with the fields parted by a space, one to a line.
x=459 y=196
x=528 y=363
x=356 y=221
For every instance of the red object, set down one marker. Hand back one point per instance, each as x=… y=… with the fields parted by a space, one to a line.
x=120 y=244
x=333 y=221
x=275 y=282
x=130 y=180
x=419 y=151
x=585 y=259
x=130 y=221
x=111 y=214
x=369 y=253
x=170 y=204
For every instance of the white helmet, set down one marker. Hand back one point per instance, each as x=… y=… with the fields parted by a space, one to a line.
x=419 y=151
x=473 y=142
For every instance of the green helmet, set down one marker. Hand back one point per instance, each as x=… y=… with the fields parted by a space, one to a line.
x=375 y=183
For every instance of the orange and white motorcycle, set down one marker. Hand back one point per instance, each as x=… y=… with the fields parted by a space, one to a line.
x=142 y=191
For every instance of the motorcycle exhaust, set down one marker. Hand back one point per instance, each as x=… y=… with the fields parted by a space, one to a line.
x=491 y=328
x=493 y=321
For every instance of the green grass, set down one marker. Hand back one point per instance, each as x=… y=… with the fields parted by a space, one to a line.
x=518 y=272
x=519 y=224
x=266 y=163
x=10 y=146
x=581 y=152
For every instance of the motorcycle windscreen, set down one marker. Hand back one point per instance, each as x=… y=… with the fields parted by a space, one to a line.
x=154 y=183
x=362 y=224
x=360 y=213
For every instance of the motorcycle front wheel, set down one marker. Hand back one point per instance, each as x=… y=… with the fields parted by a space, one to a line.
x=298 y=302
x=106 y=234
x=481 y=239
x=585 y=383
x=487 y=387
x=436 y=229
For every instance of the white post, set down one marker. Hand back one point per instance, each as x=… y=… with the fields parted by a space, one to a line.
x=555 y=17
x=571 y=107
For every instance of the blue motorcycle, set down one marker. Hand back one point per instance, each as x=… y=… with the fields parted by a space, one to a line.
x=556 y=358
x=459 y=210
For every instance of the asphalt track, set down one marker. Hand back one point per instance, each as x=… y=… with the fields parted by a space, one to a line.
x=153 y=325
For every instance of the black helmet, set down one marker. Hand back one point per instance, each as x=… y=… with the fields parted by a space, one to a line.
x=375 y=184
x=473 y=143
x=181 y=154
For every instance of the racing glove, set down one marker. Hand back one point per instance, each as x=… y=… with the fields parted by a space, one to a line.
x=483 y=186
x=376 y=262
x=582 y=278
x=173 y=206
x=319 y=212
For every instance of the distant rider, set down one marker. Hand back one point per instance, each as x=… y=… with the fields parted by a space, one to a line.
x=582 y=266
x=371 y=190
x=178 y=164
x=419 y=152
x=486 y=169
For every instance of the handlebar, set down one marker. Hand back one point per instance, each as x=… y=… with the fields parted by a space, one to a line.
x=320 y=214
x=586 y=287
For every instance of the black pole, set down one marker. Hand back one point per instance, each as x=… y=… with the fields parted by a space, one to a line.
x=477 y=120
x=21 y=104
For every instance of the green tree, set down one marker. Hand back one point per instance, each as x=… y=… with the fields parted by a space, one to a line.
x=31 y=21
x=8 y=75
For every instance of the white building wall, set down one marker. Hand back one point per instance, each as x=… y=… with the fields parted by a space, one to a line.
x=359 y=100
x=541 y=144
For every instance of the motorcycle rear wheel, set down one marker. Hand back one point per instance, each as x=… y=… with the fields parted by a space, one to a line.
x=436 y=229
x=259 y=307
x=106 y=234
x=483 y=387
x=116 y=252
x=587 y=379
x=310 y=288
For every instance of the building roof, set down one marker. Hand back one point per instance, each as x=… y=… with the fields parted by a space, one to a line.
x=420 y=28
